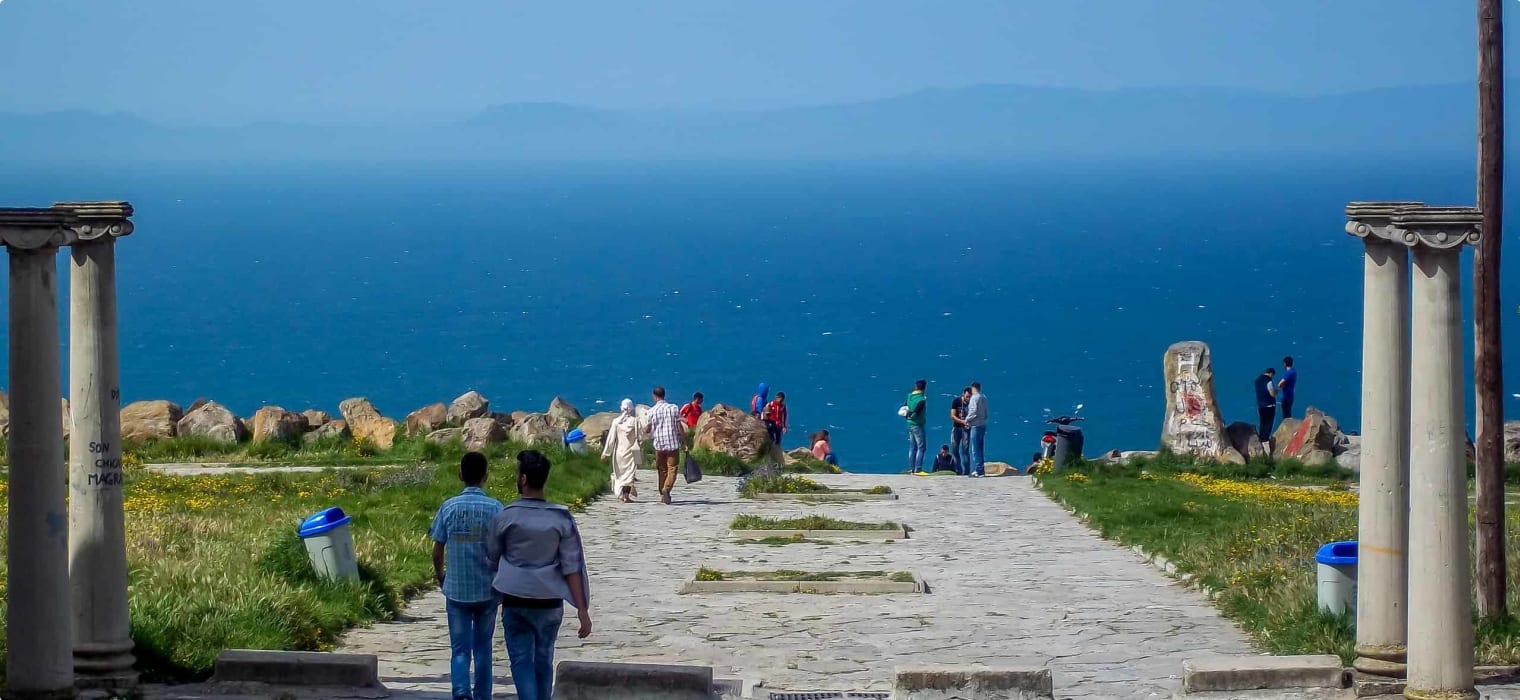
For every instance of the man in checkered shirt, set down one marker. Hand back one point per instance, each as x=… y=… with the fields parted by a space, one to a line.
x=669 y=432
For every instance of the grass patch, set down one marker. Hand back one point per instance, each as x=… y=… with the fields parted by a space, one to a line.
x=215 y=564
x=1251 y=539
x=810 y=522
x=782 y=483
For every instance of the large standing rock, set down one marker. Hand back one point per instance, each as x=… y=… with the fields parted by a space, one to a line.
x=537 y=429
x=1351 y=456
x=316 y=419
x=366 y=423
x=1193 y=425
x=469 y=405
x=333 y=429
x=565 y=413
x=212 y=420
x=1244 y=439
x=732 y=432
x=275 y=424
x=595 y=427
x=479 y=432
x=150 y=420
x=1297 y=438
x=5 y=414
x=426 y=419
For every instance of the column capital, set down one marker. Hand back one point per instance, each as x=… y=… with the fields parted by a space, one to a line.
x=94 y=220
x=64 y=223
x=1439 y=228
x=1374 y=220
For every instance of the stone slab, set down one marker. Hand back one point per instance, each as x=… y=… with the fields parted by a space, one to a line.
x=898 y=534
x=1279 y=694
x=1237 y=673
x=837 y=496
x=302 y=668
x=863 y=587
x=590 y=680
x=951 y=683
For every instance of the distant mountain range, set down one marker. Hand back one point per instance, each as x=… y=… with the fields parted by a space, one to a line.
x=993 y=121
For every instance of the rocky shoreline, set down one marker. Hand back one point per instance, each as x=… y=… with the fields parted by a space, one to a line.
x=467 y=419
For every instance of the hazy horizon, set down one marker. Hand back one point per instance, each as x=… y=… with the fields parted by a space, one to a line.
x=186 y=63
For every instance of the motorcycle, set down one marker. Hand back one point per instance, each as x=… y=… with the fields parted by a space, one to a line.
x=1063 y=443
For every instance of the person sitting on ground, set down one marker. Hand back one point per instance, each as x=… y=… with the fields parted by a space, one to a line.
x=822 y=450
x=775 y=418
x=540 y=567
x=944 y=461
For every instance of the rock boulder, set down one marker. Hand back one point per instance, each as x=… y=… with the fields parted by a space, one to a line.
x=537 y=429
x=1245 y=441
x=316 y=419
x=333 y=429
x=150 y=420
x=479 y=432
x=1512 y=441
x=275 y=424
x=1193 y=424
x=426 y=419
x=212 y=420
x=564 y=413
x=469 y=405
x=366 y=423
x=595 y=427
x=733 y=432
x=444 y=436
x=1296 y=438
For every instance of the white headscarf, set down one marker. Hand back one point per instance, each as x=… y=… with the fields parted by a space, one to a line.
x=627 y=407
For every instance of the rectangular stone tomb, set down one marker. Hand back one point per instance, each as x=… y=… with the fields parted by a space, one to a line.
x=830 y=495
x=817 y=582
x=896 y=534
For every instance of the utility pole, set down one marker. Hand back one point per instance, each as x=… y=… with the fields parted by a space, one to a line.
x=1488 y=374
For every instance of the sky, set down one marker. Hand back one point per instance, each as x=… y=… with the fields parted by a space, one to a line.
x=194 y=62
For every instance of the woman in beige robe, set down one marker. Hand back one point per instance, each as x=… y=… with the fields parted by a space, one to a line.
x=623 y=448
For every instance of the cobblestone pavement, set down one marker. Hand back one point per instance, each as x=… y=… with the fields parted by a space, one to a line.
x=1015 y=581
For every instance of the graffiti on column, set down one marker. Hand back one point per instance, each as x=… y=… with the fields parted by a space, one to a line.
x=1192 y=424
x=106 y=472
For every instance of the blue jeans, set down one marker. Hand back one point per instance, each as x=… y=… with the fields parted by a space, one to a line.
x=960 y=448
x=471 y=627
x=979 y=448
x=530 y=636
x=916 y=447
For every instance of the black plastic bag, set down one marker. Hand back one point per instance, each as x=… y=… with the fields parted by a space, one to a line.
x=693 y=471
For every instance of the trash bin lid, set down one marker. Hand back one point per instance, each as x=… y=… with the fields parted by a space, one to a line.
x=574 y=436
x=327 y=520
x=1337 y=553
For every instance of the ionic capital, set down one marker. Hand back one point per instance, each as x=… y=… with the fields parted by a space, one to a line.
x=1440 y=228
x=1374 y=220
x=95 y=220
x=62 y=224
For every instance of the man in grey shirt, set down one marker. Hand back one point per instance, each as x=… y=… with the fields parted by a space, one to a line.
x=540 y=567
x=976 y=420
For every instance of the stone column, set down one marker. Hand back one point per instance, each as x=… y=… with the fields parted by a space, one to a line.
x=39 y=662
x=1383 y=516
x=97 y=538
x=1440 y=589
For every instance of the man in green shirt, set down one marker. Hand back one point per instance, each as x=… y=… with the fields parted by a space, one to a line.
x=917 y=415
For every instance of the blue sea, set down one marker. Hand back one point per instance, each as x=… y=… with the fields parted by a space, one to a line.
x=1052 y=284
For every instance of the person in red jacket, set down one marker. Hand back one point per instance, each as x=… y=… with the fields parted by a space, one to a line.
x=692 y=412
x=775 y=418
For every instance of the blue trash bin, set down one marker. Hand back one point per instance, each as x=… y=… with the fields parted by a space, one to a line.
x=576 y=441
x=330 y=544
x=1336 y=562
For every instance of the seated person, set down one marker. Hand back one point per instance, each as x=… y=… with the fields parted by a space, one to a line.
x=944 y=460
x=823 y=450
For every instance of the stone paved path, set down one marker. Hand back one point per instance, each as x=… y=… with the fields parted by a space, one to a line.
x=1016 y=581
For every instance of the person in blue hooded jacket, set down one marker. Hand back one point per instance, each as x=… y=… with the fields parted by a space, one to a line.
x=761 y=398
